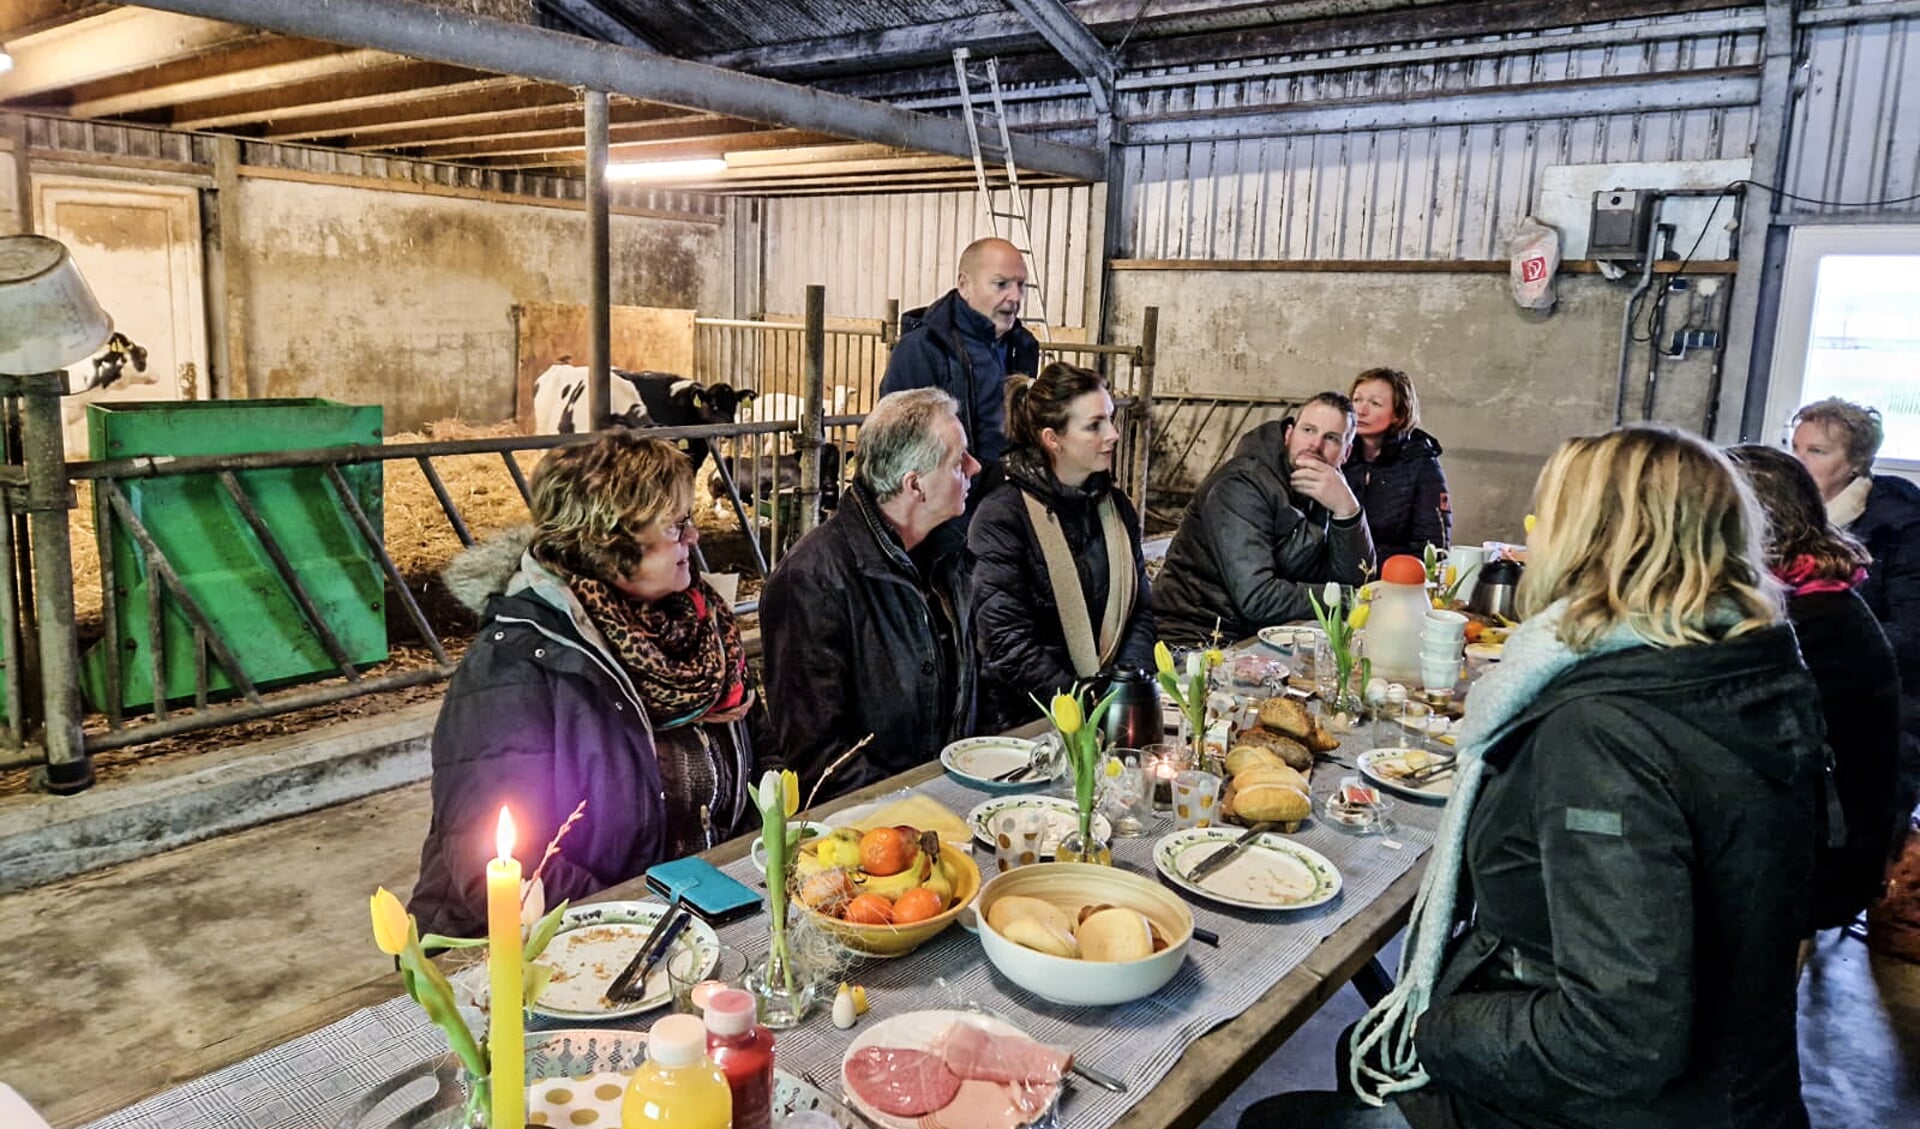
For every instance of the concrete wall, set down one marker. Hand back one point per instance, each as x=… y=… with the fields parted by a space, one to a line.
x=404 y=300
x=1499 y=386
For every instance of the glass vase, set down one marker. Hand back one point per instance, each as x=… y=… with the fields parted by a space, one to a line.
x=1082 y=845
x=782 y=989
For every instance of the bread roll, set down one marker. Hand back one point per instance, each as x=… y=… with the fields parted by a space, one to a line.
x=1263 y=802
x=1270 y=774
x=1285 y=715
x=1243 y=757
x=1320 y=741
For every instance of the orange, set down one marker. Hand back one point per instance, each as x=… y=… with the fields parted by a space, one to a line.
x=886 y=850
x=870 y=909
x=917 y=904
x=827 y=890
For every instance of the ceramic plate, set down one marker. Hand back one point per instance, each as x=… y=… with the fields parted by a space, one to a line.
x=1273 y=872
x=977 y=760
x=1386 y=767
x=915 y=1031
x=594 y=943
x=576 y=1078
x=1062 y=819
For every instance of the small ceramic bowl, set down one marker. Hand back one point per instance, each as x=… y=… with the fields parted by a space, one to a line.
x=808 y=830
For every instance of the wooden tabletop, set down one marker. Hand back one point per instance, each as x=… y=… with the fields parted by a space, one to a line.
x=1212 y=1068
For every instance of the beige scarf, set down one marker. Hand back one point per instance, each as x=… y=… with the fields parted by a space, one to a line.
x=1847 y=506
x=1122 y=585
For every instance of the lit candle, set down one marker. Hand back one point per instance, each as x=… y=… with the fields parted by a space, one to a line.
x=507 y=1038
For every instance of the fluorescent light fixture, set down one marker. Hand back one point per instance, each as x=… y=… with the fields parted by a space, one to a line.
x=666 y=170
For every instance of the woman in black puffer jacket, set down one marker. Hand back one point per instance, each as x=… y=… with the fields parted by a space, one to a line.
x=1039 y=629
x=1395 y=467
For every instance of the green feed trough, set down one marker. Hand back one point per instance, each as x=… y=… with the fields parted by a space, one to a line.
x=220 y=560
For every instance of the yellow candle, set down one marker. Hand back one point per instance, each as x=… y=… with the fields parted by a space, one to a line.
x=507 y=1038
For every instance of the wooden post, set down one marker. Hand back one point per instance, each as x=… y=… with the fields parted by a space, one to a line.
x=813 y=380
x=1143 y=408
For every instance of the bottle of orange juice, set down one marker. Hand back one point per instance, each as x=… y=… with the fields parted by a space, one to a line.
x=678 y=1085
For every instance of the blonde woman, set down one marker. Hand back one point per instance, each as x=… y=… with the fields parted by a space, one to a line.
x=1634 y=824
x=603 y=670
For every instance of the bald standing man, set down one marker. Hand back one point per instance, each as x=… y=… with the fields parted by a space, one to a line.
x=966 y=344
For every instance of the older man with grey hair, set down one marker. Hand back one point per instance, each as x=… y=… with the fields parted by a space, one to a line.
x=864 y=624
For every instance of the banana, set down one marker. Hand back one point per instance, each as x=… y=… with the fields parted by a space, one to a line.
x=894 y=885
x=940 y=882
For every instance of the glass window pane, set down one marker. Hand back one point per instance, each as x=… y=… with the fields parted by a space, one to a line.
x=1865 y=344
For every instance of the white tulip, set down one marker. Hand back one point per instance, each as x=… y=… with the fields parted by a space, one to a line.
x=1193 y=664
x=1331 y=596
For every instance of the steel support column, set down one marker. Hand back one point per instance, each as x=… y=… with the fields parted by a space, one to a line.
x=600 y=255
x=43 y=448
x=813 y=384
x=1747 y=384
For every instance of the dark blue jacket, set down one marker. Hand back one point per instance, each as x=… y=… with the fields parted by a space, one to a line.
x=1890 y=529
x=1404 y=492
x=950 y=346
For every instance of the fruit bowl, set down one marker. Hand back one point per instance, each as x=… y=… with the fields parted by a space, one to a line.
x=899 y=940
x=1070 y=885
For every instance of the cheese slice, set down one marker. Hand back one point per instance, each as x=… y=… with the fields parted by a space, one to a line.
x=924 y=812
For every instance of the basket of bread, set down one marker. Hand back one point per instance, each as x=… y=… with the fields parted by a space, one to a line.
x=1268 y=766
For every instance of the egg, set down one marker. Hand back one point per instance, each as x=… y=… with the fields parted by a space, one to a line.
x=844 y=1011
x=1377 y=691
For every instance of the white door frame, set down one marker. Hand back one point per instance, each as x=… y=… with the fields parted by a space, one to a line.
x=1806 y=246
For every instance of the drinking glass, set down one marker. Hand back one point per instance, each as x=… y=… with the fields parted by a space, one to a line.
x=1125 y=796
x=1161 y=763
x=691 y=987
x=1017 y=833
x=1196 y=797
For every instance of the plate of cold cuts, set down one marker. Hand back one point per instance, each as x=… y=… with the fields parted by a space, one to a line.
x=951 y=1070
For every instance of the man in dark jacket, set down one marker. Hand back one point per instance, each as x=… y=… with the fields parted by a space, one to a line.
x=1273 y=524
x=864 y=622
x=967 y=343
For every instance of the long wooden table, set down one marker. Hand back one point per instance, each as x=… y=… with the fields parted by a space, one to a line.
x=1211 y=1069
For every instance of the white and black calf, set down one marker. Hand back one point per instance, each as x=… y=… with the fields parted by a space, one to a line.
x=635 y=399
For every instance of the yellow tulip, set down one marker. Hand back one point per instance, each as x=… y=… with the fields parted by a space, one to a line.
x=1066 y=714
x=791 y=784
x=1357 y=618
x=1163 y=658
x=390 y=923
x=1449 y=577
x=1529 y=523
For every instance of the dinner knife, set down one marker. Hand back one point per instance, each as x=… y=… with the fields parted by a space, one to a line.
x=1218 y=859
x=661 y=939
x=1104 y=1081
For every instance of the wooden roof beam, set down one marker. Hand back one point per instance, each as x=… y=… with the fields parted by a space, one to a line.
x=110 y=44
x=359 y=92
x=275 y=66
x=466 y=40
x=22 y=18
x=701 y=127
x=431 y=109
x=750 y=137
x=557 y=125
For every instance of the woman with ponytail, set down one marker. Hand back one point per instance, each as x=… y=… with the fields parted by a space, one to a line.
x=1059 y=583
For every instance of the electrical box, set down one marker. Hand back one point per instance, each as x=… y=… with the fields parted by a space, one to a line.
x=1621 y=220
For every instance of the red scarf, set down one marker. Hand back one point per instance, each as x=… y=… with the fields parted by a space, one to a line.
x=1798 y=575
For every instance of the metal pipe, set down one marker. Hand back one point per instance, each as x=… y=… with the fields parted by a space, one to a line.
x=278 y=704
x=377 y=544
x=812 y=432
x=600 y=271
x=519 y=478
x=747 y=529
x=289 y=576
x=171 y=580
x=446 y=501
x=156 y=636
x=10 y=635
x=436 y=34
x=1626 y=319
x=113 y=652
x=43 y=446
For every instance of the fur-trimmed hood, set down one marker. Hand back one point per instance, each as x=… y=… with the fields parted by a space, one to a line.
x=484 y=570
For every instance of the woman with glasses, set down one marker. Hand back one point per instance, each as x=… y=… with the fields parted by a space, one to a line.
x=603 y=671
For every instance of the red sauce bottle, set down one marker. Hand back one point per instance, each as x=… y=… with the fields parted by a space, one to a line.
x=743 y=1050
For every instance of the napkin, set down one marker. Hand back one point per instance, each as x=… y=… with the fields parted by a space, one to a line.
x=15 y=1113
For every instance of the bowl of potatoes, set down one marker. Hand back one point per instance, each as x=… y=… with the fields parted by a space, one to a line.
x=1079 y=934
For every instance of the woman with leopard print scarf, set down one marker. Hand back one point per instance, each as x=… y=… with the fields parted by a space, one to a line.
x=603 y=671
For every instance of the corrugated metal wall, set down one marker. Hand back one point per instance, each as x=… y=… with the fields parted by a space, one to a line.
x=1856 y=128
x=1302 y=186
x=867 y=249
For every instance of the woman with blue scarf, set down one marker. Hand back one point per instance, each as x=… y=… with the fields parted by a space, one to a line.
x=1606 y=932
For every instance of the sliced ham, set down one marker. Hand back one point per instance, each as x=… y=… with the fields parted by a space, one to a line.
x=970 y=1051
x=989 y=1105
x=901 y=1082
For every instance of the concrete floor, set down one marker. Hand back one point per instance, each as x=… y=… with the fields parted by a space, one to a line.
x=166 y=955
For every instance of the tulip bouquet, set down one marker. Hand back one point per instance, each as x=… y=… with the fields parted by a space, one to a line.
x=778 y=797
x=1192 y=699
x=398 y=935
x=1339 y=626
x=1079 y=733
x=1445 y=577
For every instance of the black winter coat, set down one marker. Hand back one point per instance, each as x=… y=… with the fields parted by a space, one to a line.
x=1404 y=492
x=538 y=718
x=852 y=647
x=1890 y=529
x=950 y=346
x=1248 y=551
x=1853 y=665
x=1021 y=644
x=1639 y=864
